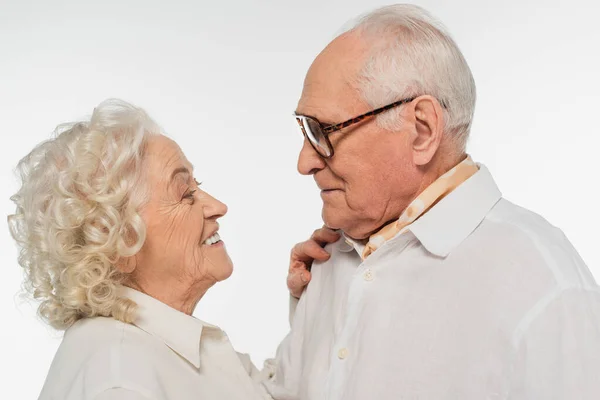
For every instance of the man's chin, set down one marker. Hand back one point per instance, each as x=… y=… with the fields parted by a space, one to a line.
x=335 y=222
x=331 y=220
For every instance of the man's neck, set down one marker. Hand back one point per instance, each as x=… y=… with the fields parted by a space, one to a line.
x=435 y=169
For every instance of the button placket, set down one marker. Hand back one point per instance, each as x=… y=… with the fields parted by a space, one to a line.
x=340 y=350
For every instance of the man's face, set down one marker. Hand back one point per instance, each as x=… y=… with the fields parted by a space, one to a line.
x=371 y=178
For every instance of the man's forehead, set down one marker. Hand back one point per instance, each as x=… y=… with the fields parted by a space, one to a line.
x=329 y=83
x=323 y=105
x=330 y=104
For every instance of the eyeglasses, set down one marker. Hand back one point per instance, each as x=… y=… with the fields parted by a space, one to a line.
x=318 y=134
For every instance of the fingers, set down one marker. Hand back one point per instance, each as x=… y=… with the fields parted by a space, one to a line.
x=297 y=280
x=324 y=236
x=309 y=251
x=302 y=256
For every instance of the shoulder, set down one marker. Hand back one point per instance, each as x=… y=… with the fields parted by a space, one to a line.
x=99 y=337
x=516 y=220
x=101 y=353
x=524 y=237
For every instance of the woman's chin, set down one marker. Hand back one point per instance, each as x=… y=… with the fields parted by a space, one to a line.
x=223 y=266
x=225 y=269
x=227 y=273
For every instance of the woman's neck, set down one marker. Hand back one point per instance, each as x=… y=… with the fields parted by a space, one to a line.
x=177 y=295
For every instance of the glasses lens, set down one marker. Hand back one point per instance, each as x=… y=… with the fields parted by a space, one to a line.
x=316 y=137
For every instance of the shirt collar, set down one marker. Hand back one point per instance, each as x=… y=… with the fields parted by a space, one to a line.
x=457 y=215
x=179 y=331
x=452 y=219
x=350 y=244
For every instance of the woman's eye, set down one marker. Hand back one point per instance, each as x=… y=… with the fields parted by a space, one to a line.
x=190 y=194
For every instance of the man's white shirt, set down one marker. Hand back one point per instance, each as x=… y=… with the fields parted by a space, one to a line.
x=479 y=299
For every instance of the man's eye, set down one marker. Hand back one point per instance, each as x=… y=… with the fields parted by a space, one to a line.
x=197 y=183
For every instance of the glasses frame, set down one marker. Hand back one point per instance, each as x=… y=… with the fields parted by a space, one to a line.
x=326 y=130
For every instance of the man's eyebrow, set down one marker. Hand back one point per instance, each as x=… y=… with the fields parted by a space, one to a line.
x=324 y=121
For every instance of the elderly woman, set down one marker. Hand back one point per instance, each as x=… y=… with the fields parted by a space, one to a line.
x=119 y=243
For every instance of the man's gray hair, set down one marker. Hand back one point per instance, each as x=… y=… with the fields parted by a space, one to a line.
x=412 y=54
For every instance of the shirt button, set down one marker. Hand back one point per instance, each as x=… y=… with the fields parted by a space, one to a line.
x=368 y=275
x=342 y=353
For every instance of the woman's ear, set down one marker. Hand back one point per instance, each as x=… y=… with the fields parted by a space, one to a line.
x=126 y=265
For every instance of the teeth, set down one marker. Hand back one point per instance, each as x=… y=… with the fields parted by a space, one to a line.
x=213 y=239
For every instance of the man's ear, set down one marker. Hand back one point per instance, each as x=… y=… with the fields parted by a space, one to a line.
x=428 y=128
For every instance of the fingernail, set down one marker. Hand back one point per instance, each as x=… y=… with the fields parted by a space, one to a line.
x=303 y=278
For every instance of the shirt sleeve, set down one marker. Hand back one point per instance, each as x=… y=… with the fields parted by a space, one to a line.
x=293 y=304
x=257 y=375
x=270 y=365
x=120 y=394
x=284 y=370
x=558 y=355
x=266 y=376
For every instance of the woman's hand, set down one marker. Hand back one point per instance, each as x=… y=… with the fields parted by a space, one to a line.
x=302 y=258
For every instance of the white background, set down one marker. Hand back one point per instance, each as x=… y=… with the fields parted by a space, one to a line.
x=223 y=79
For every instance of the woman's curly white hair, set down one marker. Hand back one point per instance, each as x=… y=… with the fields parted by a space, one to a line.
x=78 y=213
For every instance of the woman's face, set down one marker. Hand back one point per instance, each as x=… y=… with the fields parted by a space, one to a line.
x=181 y=250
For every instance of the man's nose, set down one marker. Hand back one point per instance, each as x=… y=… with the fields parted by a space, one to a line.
x=309 y=161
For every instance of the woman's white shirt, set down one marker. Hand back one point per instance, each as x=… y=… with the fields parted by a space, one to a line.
x=166 y=354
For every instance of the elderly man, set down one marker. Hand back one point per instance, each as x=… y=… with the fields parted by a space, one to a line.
x=440 y=288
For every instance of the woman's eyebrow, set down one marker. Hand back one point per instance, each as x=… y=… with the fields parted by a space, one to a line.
x=180 y=170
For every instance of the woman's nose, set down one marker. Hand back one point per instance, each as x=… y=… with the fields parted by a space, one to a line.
x=213 y=208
